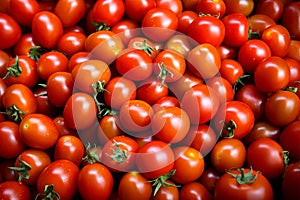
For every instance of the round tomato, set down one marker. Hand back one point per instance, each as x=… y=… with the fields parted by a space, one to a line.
x=271 y=8
x=290 y=184
x=25 y=46
x=10 y=31
x=108 y=128
x=239 y=6
x=290 y=15
x=289 y=140
x=209 y=178
x=126 y=29
x=165 y=102
x=137 y=9
x=222 y=87
x=194 y=190
x=211 y=7
x=71 y=43
x=185 y=19
x=4 y=62
x=258 y=23
x=14 y=190
x=231 y=70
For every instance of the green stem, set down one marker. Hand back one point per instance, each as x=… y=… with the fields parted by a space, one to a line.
x=14 y=70
x=163 y=73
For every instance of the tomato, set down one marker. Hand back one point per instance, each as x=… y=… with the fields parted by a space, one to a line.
x=290 y=13
x=4 y=6
x=133 y=185
x=289 y=139
x=108 y=12
x=236 y=29
x=59 y=177
x=88 y=73
x=165 y=102
x=227 y=52
x=168 y=191
x=71 y=43
x=278 y=39
x=258 y=23
x=294 y=50
x=77 y=58
x=46 y=28
x=143 y=43
x=38 y=131
x=209 y=178
x=80 y=111
x=262 y=129
x=149 y=162
x=29 y=165
x=207 y=29
x=69 y=147
x=136 y=10
x=118 y=154
x=10 y=31
x=134 y=64
x=239 y=6
x=11 y=142
x=14 y=190
x=108 y=128
x=188 y=164
x=43 y=104
x=294 y=67
x=170 y=124
x=228 y=153
x=126 y=29
x=282 y=108
x=24 y=44
x=135 y=116
x=278 y=74
x=273 y=9
x=119 y=90
x=19 y=101
x=243 y=183
x=194 y=190
x=159 y=24
x=215 y=8
x=290 y=183
x=3 y=87
x=231 y=70
x=251 y=53
x=104 y=45
x=23 y=70
x=201 y=103
x=95 y=177
x=7 y=173
x=51 y=62
x=185 y=19
x=4 y=62
x=69 y=11
x=222 y=87
x=23 y=11
x=62 y=127
x=254 y=98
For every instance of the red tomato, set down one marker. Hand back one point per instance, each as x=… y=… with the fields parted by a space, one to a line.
x=59 y=178
x=294 y=50
x=38 y=131
x=133 y=185
x=7 y=173
x=71 y=43
x=95 y=177
x=245 y=184
x=4 y=61
x=239 y=6
x=189 y=164
x=149 y=162
x=23 y=11
x=271 y=8
x=10 y=31
x=11 y=143
x=108 y=128
x=169 y=190
x=173 y=5
x=231 y=70
x=294 y=67
x=46 y=29
x=290 y=184
x=62 y=127
x=207 y=29
x=289 y=20
x=258 y=23
x=228 y=153
x=211 y=7
x=159 y=24
x=43 y=104
x=226 y=51
x=185 y=19
x=209 y=178
x=14 y=190
x=289 y=140
x=24 y=45
x=170 y=125
x=69 y=11
x=194 y=190
x=136 y=9
x=126 y=29
x=77 y=58
x=165 y=102
x=222 y=87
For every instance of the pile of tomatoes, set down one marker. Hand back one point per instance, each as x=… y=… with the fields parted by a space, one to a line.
x=156 y=99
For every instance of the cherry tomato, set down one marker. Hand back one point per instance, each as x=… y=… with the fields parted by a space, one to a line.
x=239 y=6
x=194 y=190
x=291 y=11
x=209 y=178
x=273 y=9
x=258 y=23
x=185 y=19
x=165 y=102
x=24 y=44
x=14 y=190
x=294 y=50
x=62 y=127
x=108 y=128
x=294 y=67
x=222 y=87
x=290 y=183
x=289 y=140
x=215 y=8
x=4 y=62
x=77 y=58
x=43 y=104
x=126 y=29
x=231 y=70
x=71 y=43
x=136 y=10
x=10 y=31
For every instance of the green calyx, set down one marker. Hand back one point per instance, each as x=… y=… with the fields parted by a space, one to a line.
x=22 y=170
x=14 y=70
x=161 y=181
x=163 y=73
x=145 y=47
x=119 y=155
x=91 y=155
x=242 y=177
x=14 y=112
x=229 y=128
x=49 y=193
x=36 y=52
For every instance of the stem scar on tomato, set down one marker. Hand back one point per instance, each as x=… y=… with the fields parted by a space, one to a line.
x=243 y=178
x=145 y=47
x=91 y=155
x=229 y=128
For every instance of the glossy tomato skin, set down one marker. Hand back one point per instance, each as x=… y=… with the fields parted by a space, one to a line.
x=259 y=22
x=175 y=6
x=290 y=183
x=63 y=175
x=194 y=190
x=294 y=67
x=70 y=12
x=24 y=44
x=108 y=128
x=215 y=8
x=237 y=6
x=136 y=10
x=10 y=31
x=62 y=127
x=231 y=70
x=95 y=177
x=289 y=140
x=71 y=43
x=222 y=87
x=11 y=143
x=4 y=61
x=14 y=190
x=43 y=104
x=209 y=178
x=228 y=188
x=133 y=185
x=273 y=9
x=185 y=19
x=291 y=12
x=38 y=131
x=46 y=28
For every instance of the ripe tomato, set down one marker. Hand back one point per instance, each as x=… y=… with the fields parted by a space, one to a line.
x=222 y=87
x=62 y=127
x=228 y=153
x=136 y=9
x=10 y=31
x=194 y=190
x=169 y=190
x=43 y=104
x=282 y=108
x=209 y=178
x=170 y=125
x=204 y=61
x=273 y=9
x=88 y=73
x=95 y=177
x=4 y=61
x=290 y=13
x=294 y=50
x=289 y=140
x=71 y=43
x=239 y=6
x=118 y=154
x=290 y=183
x=24 y=44
x=11 y=143
x=38 y=131
x=46 y=29
x=231 y=70
x=60 y=178
x=175 y=6
x=294 y=67
x=267 y=156
x=80 y=111
x=211 y=7
x=165 y=102
x=185 y=19
x=108 y=128
x=69 y=147
x=226 y=51
x=126 y=29
x=149 y=159
x=243 y=183
x=258 y=23
x=189 y=164
x=14 y=190
x=69 y=11
x=77 y=58
x=133 y=185
x=207 y=29
x=23 y=11
x=159 y=24
x=29 y=165
x=7 y=173
x=201 y=103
